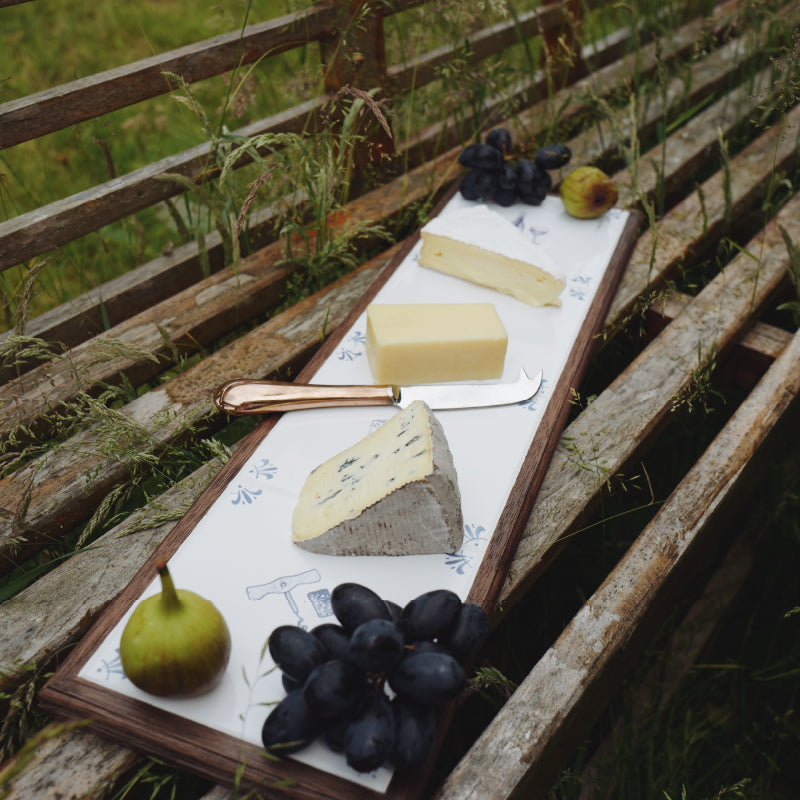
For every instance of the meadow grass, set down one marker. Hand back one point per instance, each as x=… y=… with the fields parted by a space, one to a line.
x=731 y=729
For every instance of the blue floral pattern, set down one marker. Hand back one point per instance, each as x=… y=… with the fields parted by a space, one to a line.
x=353 y=347
x=471 y=549
x=579 y=287
x=113 y=668
x=532 y=403
x=246 y=494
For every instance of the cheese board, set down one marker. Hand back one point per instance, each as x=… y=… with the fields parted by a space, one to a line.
x=234 y=545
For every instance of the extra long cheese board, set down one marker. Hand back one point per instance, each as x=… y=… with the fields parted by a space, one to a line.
x=235 y=547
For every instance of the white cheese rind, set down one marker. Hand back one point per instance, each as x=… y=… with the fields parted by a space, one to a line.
x=394 y=493
x=481 y=246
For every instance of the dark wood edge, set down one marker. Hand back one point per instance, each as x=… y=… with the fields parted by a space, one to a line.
x=218 y=756
x=491 y=574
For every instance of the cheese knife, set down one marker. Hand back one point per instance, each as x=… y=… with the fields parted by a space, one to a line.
x=246 y=396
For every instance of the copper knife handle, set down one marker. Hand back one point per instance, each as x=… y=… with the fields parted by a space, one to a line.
x=247 y=396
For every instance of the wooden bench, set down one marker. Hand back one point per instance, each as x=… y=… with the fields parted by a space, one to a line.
x=136 y=329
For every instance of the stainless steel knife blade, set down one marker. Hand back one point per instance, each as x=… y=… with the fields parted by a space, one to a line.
x=245 y=396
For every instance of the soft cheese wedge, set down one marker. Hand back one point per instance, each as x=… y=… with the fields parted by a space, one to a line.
x=394 y=493
x=481 y=246
x=410 y=343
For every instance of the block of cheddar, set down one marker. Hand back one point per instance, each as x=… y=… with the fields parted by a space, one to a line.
x=410 y=343
x=394 y=493
x=484 y=247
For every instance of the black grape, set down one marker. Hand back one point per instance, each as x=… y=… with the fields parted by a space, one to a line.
x=507 y=177
x=481 y=156
x=290 y=726
x=468 y=632
x=289 y=683
x=376 y=645
x=500 y=139
x=414 y=735
x=394 y=610
x=335 y=638
x=296 y=651
x=369 y=738
x=334 y=732
x=534 y=197
x=553 y=156
x=529 y=174
x=334 y=688
x=469 y=185
x=425 y=646
x=426 y=678
x=505 y=197
x=353 y=604
x=430 y=615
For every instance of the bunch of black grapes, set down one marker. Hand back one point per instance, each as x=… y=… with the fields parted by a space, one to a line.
x=493 y=178
x=336 y=676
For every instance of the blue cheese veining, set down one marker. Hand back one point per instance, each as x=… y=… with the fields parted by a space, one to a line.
x=394 y=493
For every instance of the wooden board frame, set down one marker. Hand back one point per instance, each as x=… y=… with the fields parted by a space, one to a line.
x=226 y=759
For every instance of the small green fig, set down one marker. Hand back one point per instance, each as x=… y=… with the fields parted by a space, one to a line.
x=587 y=192
x=175 y=643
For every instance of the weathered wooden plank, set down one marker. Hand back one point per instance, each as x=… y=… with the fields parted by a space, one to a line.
x=418 y=72
x=45 y=498
x=655 y=690
x=187 y=319
x=757 y=349
x=72 y=322
x=65 y=220
x=39 y=231
x=521 y=751
x=147 y=343
x=53 y=109
x=74 y=764
x=623 y=418
x=703 y=217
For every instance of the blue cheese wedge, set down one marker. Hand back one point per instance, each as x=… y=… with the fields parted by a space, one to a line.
x=479 y=245
x=394 y=493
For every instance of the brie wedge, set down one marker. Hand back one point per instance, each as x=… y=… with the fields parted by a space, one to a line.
x=484 y=247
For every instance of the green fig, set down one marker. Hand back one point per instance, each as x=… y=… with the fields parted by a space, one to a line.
x=175 y=643
x=587 y=192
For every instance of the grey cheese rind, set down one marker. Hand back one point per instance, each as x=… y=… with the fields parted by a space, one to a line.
x=417 y=503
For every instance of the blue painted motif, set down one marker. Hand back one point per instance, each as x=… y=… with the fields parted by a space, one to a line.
x=246 y=494
x=286 y=585
x=579 y=287
x=112 y=668
x=533 y=403
x=471 y=549
x=353 y=347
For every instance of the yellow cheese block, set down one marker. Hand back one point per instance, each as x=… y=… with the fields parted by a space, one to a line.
x=410 y=343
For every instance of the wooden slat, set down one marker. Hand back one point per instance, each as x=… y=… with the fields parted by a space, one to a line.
x=654 y=691
x=88 y=765
x=53 y=109
x=188 y=319
x=64 y=486
x=703 y=217
x=426 y=68
x=168 y=274
x=631 y=411
x=62 y=221
x=522 y=749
